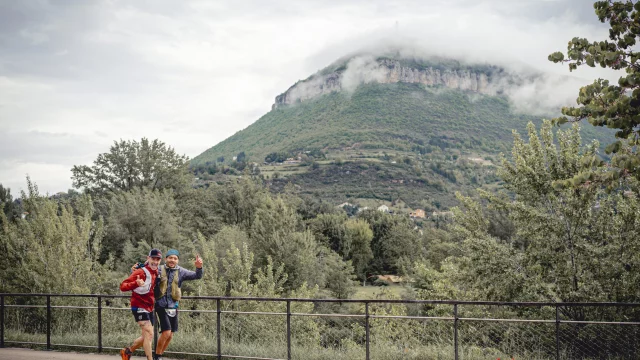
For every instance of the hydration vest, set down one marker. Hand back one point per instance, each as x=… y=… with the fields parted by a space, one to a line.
x=161 y=289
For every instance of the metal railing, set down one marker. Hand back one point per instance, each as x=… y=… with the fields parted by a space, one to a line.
x=568 y=334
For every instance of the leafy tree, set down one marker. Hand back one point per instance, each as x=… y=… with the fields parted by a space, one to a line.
x=330 y=230
x=571 y=244
x=54 y=250
x=141 y=219
x=605 y=104
x=10 y=208
x=236 y=203
x=311 y=207
x=400 y=248
x=228 y=238
x=241 y=156
x=277 y=233
x=276 y=157
x=349 y=238
x=198 y=209
x=388 y=245
x=339 y=279
x=359 y=236
x=130 y=164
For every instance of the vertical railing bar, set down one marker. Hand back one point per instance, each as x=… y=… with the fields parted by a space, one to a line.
x=154 y=319
x=99 y=323
x=288 y=329
x=218 y=335
x=1 y=321
x=48 y=322
x=366 y=327
x=557 y=333
x=455 y=331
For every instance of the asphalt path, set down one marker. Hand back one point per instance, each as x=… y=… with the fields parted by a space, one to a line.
x=28 y=354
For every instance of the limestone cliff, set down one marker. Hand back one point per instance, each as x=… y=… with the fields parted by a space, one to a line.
x=482 y=79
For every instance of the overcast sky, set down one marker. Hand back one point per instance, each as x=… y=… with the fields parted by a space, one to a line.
x=75 y=75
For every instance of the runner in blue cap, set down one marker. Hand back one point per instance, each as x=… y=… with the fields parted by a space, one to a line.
x=168 y=293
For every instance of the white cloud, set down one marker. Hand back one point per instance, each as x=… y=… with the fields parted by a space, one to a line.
x=192 y=73
x=362 y=70
x=50 y=178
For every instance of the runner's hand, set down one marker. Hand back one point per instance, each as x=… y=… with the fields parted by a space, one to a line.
x=139 y=281
x=198 y=262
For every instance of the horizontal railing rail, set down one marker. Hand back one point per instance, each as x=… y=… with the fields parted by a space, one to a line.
x=455 y=319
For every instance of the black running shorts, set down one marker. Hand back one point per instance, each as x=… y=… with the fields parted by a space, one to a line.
x=167 y=321
x=142 y=316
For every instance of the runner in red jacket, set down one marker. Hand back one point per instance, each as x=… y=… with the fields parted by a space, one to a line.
x=142 y=282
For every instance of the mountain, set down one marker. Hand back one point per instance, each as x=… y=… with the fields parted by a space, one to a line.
x=383 y=128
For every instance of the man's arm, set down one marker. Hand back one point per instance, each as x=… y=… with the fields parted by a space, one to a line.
x=190 y=275
x=130 y=283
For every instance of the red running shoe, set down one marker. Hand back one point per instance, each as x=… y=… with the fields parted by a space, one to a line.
x=125 y=353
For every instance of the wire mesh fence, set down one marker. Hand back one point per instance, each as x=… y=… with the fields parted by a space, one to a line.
x=260 y=328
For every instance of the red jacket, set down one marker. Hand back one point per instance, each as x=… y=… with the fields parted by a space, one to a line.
x=141 y=297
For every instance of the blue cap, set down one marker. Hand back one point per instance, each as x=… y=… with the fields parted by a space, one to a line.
x=173 y=252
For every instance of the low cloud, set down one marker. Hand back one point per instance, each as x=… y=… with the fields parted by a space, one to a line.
x=544 y=95
x=362 y=70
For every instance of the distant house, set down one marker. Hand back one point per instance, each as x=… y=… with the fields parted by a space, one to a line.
x=345 y=204
x=292 y=161
x=24 y=215
x=418 y=213
x=383 y=208
x=235 y=158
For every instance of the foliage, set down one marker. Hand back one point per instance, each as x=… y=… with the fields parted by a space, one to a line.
x=604 y=104
x=330 y=230
x=570 y=243
x=237 y=202
x=54 y=250
x=139 y=220
x=394 y=244
x=12 y=209
x=339 y=278
x=131 y=164
x=358 y=246
x=277 y=233
x=198 y=209
x=276 y=157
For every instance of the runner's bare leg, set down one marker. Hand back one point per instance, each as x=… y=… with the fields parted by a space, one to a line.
x=163 y=341
x=147 y=335
x=136 y=344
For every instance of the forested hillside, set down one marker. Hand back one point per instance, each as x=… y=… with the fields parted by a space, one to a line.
x=417 y=136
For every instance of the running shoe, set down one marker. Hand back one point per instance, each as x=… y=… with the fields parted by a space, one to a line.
x=125 y=353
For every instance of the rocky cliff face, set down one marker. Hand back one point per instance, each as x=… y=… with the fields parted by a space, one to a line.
x=387 y=71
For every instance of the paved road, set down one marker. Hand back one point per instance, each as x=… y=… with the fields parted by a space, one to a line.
x=28 y=354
